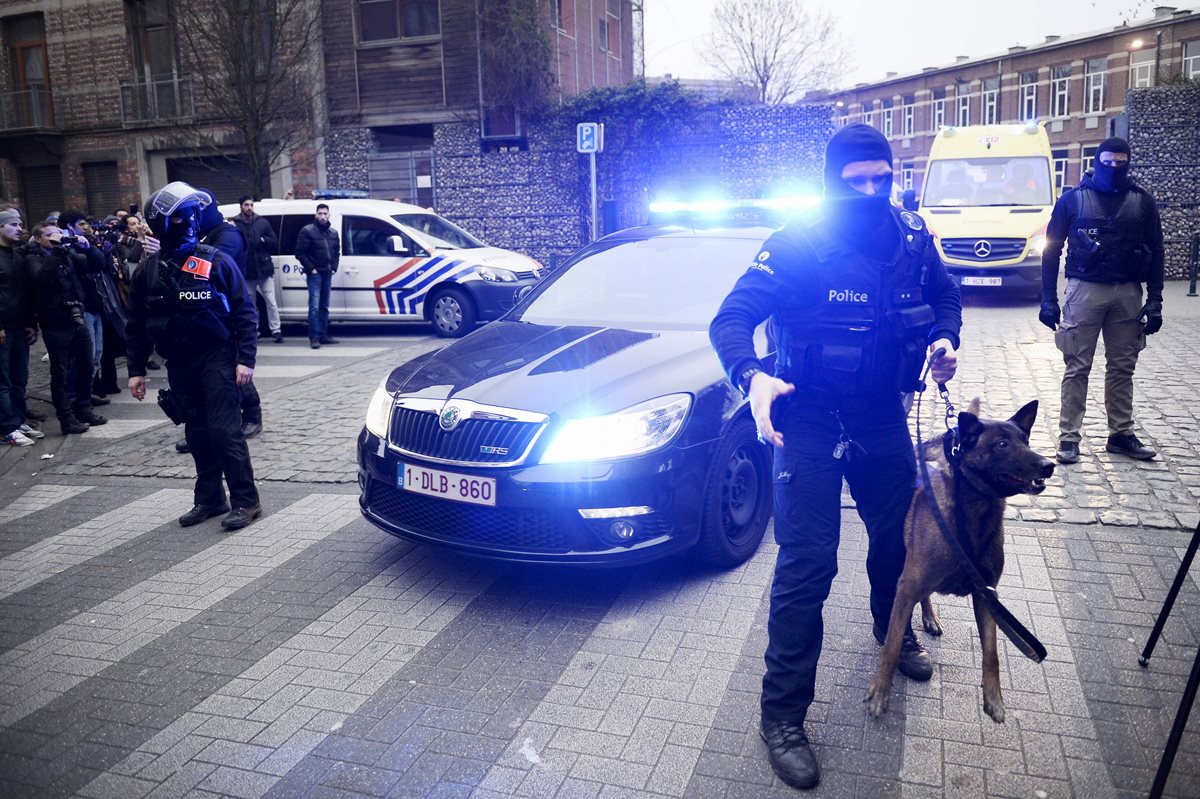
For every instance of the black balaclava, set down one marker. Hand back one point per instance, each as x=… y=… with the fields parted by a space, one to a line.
x=1111 y=178
x=182 y=237
x=853 y=214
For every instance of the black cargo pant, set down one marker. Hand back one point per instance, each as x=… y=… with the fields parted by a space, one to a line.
x=808 y=485
x=70 y=350
x=205 y=380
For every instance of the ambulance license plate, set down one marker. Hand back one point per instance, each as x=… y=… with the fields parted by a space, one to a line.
x=981 y=281
x=446 y=485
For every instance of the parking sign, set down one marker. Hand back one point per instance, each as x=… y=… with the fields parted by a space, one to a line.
x=589 y=137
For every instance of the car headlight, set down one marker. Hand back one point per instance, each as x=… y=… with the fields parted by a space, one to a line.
x=379 y=412
x=633 y=431
x=493 y=275
x=1038 y=244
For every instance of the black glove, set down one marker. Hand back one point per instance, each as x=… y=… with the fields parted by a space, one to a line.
x=1050 y=315
x=1151 y=317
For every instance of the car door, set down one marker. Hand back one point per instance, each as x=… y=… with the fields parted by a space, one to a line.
x=373 y=279
x=293 y=285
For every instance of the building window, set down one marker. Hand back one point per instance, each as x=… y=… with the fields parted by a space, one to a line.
x=1028 y=96
x=563 y=12
x=1191 y=59
x=1093 y=98
x=887 y=119
x=386 y=20
x=1141 y=68
x=938 y=116
x=30 y=72
x=908 y=115
x=869 y=113
x=906 y=175
x=990 y=113
x=1087 y=160
x=603 y=35
x=1060 y=169
x=963 y=117
x=610 y=35
x=1060 y=90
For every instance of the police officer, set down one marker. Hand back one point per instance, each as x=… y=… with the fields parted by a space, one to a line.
x=189 y=300
x=1114 y=243
x=855 y=294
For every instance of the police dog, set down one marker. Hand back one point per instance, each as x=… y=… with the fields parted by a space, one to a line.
x=997 y=463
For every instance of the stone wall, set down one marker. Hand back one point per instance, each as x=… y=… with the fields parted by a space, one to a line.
x=1164 y=134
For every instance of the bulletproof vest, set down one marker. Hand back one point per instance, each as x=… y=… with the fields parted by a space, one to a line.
x=867 y=332
x=184 y=308
x=1108 y=247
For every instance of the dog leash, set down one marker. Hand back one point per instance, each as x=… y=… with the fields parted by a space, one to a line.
x=1016 y=632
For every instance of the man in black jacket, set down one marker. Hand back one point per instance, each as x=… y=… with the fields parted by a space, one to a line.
x=18 y=330
x=318 y=251
x=190 y=301
x=1114 y=243
x=856 y=294
x=260 y=269
x=59 y=298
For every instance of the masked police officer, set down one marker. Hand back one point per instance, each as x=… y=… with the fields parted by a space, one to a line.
x=191 y=303
x=856 y=294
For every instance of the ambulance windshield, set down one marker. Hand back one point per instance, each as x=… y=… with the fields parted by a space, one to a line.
x=974 y=182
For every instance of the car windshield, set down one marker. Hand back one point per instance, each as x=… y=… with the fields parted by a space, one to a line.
x=438 y=232
x=665 y=283
x=974 y=182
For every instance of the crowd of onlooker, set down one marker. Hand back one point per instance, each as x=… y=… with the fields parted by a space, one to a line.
x=65 y=278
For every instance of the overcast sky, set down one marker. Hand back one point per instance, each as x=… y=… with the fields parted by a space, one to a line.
x=900 y=36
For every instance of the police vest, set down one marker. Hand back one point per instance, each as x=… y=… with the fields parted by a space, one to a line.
x=867 y=333
x=1104 y=247
x=183 y=306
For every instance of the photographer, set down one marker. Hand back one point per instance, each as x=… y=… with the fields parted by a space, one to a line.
x=58 y=298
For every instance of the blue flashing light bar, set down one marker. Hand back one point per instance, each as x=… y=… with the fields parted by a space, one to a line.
x=717 y=207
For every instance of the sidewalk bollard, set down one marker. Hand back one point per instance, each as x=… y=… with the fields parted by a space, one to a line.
x=1195 y=263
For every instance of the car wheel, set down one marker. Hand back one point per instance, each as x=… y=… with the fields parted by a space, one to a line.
x=738 y=498
x=452 y=313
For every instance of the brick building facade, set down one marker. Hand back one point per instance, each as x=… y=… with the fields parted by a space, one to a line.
x=1075 y=84
x=97 y=97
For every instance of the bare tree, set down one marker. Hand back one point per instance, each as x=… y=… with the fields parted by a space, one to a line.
x=775 y=46
x=256 y=70
x=515 y=54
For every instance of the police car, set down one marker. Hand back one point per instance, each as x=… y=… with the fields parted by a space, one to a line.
x=399 y=262
x=592 y=424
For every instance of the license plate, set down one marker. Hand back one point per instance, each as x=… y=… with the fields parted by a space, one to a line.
x=447 y=485
x=981 y=281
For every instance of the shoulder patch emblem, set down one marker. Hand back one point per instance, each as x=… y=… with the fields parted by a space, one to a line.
x=197 y=267
x=912 y=220
x=760 y=263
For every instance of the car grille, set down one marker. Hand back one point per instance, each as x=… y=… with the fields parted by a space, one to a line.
x=526 y=275
x=418 y=433
x=520 y=529
x=1001 y=249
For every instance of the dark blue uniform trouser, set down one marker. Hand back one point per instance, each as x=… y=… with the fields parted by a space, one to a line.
x=808 y=484
x=205 y=379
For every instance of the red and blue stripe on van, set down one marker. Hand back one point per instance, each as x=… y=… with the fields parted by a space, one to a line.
x=397 y=293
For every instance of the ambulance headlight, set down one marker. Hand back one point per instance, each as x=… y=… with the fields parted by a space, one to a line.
x=1038 y=244
x=379 y=412
x=493 y=275
x=633 y=431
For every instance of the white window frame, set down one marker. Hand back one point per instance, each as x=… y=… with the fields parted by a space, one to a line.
x=1093 y=86
x=939 y=114
x=907 y=172
x=1028 y=100
x=1191 y=59
x=1060 y=94
x=1087 y=159
x=1141 y=69
x=1060 y=169
x=908 y=118
x=964 y=110
x=989 y=114
x=887 y=123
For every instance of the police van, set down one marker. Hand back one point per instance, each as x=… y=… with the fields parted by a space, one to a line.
x=987 y=197
x=399 y=262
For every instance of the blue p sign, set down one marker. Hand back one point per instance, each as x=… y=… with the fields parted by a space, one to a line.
x=589 y=137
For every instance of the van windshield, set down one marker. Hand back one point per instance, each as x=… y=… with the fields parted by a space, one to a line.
x=441 y=234
x=975 y=182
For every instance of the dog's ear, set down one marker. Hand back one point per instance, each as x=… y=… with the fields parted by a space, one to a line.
x=969 y=430
x=1024 y=417
x=974 y=406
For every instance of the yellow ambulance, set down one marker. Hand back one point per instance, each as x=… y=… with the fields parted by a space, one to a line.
x=987 y=196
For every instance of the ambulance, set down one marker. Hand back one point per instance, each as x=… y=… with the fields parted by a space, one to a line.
x=399 y=262
x=987 y=197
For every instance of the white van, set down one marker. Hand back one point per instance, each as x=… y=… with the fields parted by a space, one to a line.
x=398 y=262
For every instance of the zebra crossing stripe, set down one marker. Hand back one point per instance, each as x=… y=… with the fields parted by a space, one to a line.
x=56 y=554
x=37 y=499
x=42 y=669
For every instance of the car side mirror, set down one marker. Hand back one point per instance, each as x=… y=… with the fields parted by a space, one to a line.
x=396 y=246
x=910 y=200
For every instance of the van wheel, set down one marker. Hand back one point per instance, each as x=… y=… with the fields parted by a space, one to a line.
x=737 y=501
x=452 y=313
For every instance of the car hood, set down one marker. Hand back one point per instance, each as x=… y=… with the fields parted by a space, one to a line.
x=493 y=257
x=983 y=223
x=562 y=370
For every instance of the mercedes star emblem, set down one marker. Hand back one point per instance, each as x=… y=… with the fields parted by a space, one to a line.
x=983 y=248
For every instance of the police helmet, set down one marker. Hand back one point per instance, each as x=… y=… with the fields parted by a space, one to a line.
x=170 y=199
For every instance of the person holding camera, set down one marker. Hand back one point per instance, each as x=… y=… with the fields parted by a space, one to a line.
x=1114 y=242
x=59 y=301
x=190 y=301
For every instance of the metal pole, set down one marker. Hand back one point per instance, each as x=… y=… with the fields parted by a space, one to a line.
x=1195 y=264
x=1184 y=567
x=1181 y=717
x=593 y=196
